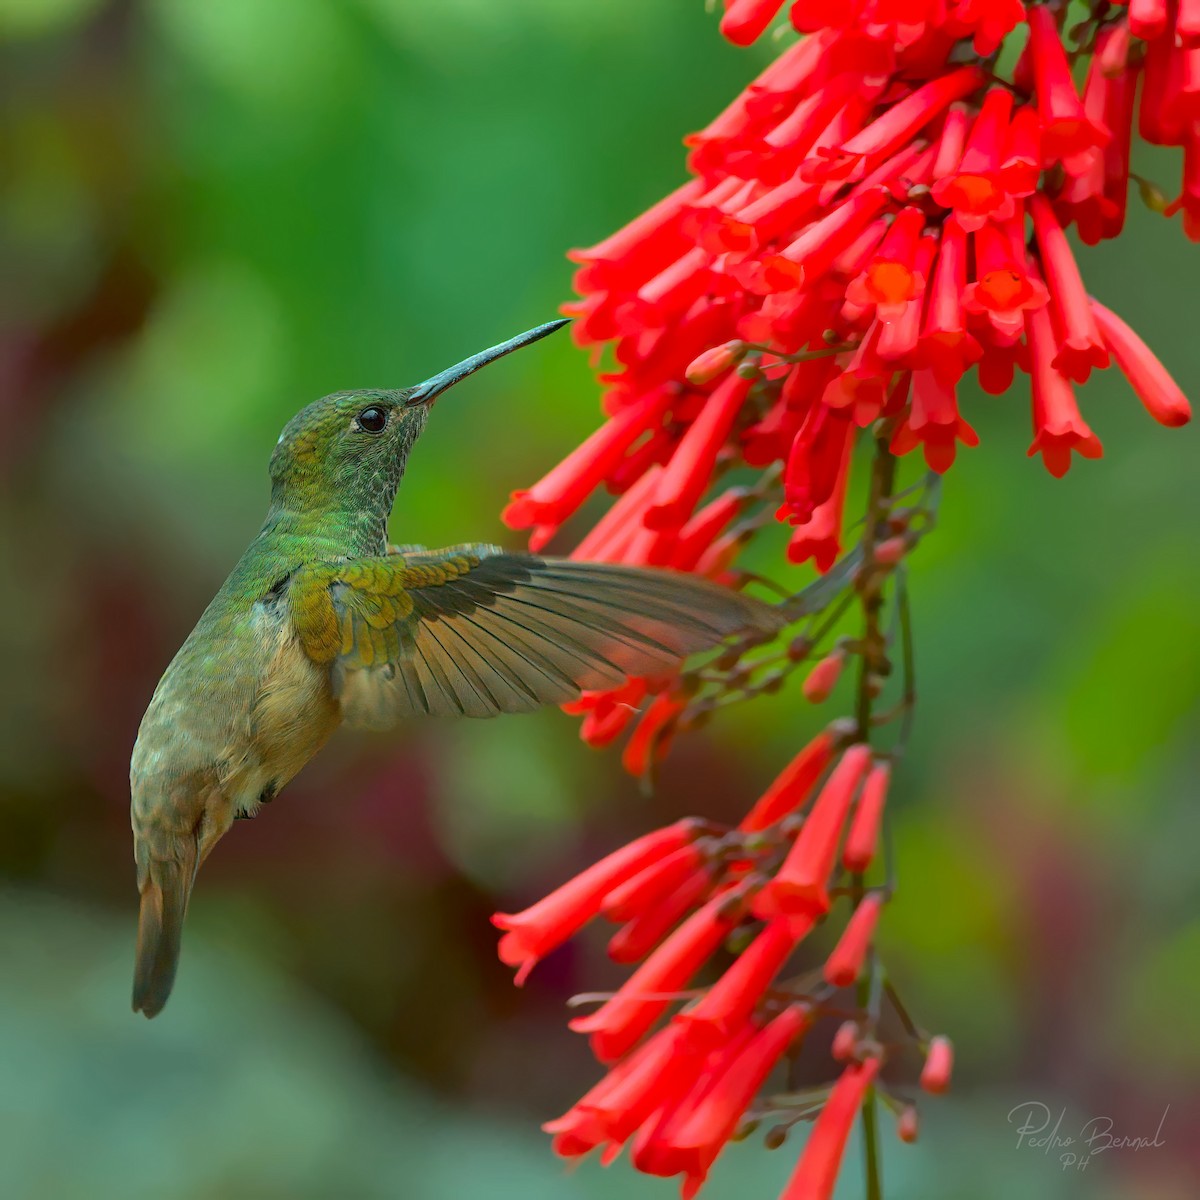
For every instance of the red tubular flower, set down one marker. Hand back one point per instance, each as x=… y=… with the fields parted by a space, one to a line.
x=1096 y=198
x=1066 y=129
x=809 y=16
x=773 y=91
x=1162 y=117
x=606 y=714
x=904 y=120
x=945 y=346
x=672 y=292
x=1148 y=18
x=557 y=495
x=988 y=21
x=651 y=548
x=1155 y=388
x=656 y=1073
x=845 y=964
x=618 y=1024
x=816 y=460
x=911 y=166
x=807 y=258
x=650 y=885
x=771 y=214
x=1021 y=166
x=816 y=1172
x=792 y=786
x=654 y=1151
x=1187 y=24
x=1003 y=290
x=820 y=537
x=799 y=887
x=653 y=734
x=859 y=389
x=631 y=693
x=611 y=534
x=933 y=422
x=767 y=95
x=975 y=190
x=952 y=142
x=1080 y=347
x=642 y=247
x=899 y=338
x=687 y=474
x=634 y=940
x=891 y=280
x=729 y=1003
x=1189 y=198
x=997 y=367
x=825 y=163
x=1058 y=427
x=695 y=1137
x=532 y=933
x=784 y=150
x=1112 y=55
x=715 y=561
x=855 y=258
x=939 y=1063
x=702 y=530
x=862 y=839
x=768 y=441
x=585 y=1125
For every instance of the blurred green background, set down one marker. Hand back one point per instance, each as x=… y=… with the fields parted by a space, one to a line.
x=214 y=211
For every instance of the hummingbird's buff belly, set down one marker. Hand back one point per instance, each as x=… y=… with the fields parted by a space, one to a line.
x=294 y=712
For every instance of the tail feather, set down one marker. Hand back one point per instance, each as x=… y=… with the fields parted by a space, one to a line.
x=165 y=890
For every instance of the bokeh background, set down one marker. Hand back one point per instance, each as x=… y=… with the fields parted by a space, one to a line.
x=214 y=211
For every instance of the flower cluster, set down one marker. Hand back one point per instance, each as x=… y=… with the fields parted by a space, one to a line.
x=867 y=222
x=681 y=1094
x=881 y=212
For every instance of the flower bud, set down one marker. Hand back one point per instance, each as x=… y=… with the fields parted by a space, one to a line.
x=863 y=836
x=907 y=1124
x=939 y=1063
x=822 y=679
x=775 y=1137
x=845 y=1041
x=845 y=964
x=705 y=367
x=891 y=551
x=1151 y=194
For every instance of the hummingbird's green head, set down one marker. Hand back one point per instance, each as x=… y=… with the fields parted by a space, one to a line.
x=346 y=452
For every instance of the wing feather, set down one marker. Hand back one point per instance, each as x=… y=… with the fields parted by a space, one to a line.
x=473 y=631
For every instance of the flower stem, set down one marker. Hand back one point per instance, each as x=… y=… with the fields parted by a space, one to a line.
x=873 y=1181
x=872 y=664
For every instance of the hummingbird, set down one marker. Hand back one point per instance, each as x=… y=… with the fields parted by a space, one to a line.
x=322 y=621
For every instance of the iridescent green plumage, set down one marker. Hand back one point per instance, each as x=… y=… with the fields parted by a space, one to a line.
x=322 y=622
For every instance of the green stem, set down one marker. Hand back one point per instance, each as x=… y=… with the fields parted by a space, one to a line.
x=882 y=489
x=870 y=1127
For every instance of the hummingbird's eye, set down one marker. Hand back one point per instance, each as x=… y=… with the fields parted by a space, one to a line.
x=372 y=420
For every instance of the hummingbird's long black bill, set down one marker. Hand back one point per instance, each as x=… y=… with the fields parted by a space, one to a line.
x=424 y=393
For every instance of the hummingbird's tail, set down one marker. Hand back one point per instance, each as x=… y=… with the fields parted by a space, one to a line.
x=165 y=886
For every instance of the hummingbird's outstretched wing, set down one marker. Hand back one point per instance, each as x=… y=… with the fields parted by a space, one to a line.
x=473 y=631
